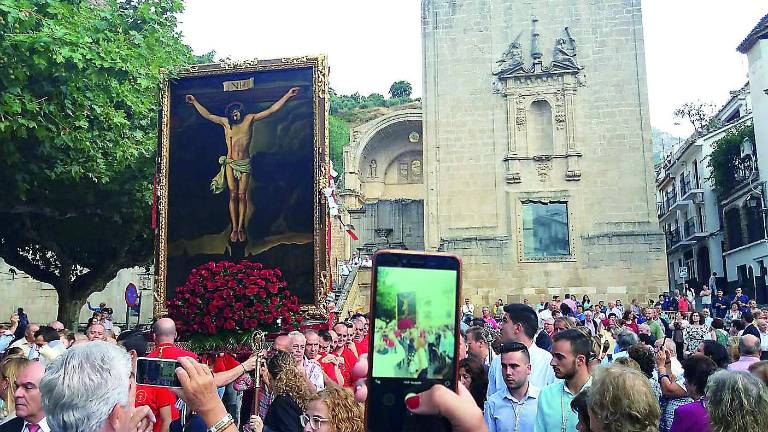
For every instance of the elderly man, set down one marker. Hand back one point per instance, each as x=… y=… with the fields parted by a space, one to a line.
x=762 y=326
x=312 y=370
x=360 y=336
x=30 y=416
x=80 y=395
x=749 y=352
x=27 y=343
x=96 y=332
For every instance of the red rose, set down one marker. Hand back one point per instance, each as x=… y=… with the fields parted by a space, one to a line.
x=263 y=294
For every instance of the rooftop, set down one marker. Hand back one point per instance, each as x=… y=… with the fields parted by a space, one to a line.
x=759 y=32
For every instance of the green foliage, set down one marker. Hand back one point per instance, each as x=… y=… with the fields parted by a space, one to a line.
x=400 y=89
x=79 y=84
x=338 y=138
x=725 y=159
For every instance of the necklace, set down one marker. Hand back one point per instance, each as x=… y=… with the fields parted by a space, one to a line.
x=517 y=407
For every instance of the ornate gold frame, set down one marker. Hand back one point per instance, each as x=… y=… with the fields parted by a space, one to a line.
x=321 y=103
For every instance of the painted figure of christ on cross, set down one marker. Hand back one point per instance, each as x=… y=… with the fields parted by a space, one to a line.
x=236 y=165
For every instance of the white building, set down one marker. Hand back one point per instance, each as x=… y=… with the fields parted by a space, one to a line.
x=688 y=208
x=744 y=210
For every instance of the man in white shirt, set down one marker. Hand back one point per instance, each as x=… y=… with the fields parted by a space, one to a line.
x=467 y=311
x=762 y=326
x=27 y=343
x=520 y=324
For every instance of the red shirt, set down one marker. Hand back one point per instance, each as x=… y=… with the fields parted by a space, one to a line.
x=170 y=351
x=362 y=346
x=155 y=398
x=329 y=369
x=349 y=363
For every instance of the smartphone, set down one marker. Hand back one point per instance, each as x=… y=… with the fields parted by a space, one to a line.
x=415 y=329
x=157 y=372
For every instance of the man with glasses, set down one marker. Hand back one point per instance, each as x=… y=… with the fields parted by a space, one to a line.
x=515 y=406
x=312 y=370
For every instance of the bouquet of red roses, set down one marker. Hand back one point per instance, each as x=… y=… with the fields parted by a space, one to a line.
x=224 y=297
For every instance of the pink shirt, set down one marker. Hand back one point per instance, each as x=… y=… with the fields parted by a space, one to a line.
x=742 y=365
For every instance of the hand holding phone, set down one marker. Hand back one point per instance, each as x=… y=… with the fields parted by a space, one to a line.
x=157 y=372
x=415 y=324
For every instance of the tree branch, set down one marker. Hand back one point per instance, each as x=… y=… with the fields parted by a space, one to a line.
x=16 y=259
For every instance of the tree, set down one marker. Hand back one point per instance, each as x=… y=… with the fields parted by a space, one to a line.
x=400 y=89
x=726 y=163
x=78 y=127
x=699 y=114
x=338 y=139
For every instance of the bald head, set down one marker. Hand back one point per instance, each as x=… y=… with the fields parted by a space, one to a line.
x=56 y=325
x=283 y=343
x=164 y=330
x=749 y=345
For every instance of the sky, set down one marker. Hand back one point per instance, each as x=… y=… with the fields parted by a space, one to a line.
x=690 y=44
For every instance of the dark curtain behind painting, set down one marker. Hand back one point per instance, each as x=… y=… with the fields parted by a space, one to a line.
x=280 y=223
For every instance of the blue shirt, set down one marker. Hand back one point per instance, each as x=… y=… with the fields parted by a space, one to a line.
x=503 y=412
x=555 y=408
x=5 y=340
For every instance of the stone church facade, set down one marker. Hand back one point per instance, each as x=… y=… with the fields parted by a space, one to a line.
x=537 y=148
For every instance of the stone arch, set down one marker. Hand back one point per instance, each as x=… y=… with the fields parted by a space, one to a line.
x=384 y=182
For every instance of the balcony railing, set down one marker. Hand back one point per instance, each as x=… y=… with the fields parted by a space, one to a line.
x=690 y=228
x=670 y=200
x=673 y=237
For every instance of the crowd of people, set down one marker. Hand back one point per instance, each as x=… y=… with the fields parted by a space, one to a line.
x=565 y=364
x=559 y=365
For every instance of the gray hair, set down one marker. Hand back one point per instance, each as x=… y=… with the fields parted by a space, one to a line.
x=296 y=335
x=626 y=339
x=82 y=386
x=737 y=402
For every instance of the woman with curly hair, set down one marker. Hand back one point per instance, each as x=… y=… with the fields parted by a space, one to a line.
x=333 y=410
x=291 y=394
x=736 y=402
x=610 y=408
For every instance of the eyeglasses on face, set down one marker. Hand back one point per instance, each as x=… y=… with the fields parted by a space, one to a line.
x=314 y=421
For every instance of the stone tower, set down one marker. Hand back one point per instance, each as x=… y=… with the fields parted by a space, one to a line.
x=537 y=148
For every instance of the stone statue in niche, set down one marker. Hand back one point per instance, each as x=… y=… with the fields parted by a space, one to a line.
x=416 y=170
x=372 y=169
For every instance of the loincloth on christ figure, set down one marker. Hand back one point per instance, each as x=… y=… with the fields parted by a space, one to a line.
x=239 y=167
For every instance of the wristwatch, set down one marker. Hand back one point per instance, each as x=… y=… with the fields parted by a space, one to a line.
x=222 y=424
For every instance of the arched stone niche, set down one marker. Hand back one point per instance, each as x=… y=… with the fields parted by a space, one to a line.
x=384 y=187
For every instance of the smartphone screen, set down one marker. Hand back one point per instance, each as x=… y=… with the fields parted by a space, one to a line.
x=414 y=310
x=157 y=372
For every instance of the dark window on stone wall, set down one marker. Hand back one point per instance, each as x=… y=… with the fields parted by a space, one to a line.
x=545 y=230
